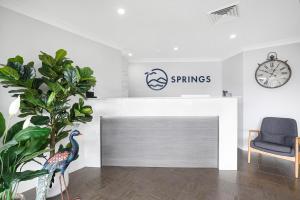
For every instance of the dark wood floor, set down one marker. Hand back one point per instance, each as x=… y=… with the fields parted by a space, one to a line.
x=265 y=179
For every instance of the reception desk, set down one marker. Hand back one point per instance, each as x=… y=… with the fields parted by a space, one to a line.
x=225 y=109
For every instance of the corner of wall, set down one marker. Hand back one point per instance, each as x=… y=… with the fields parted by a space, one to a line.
x=125 y=78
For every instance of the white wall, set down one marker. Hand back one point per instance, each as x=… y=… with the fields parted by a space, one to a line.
x=260 y=102
x=25 y=36
x=233 y=83
x=233 y=74
x=124 y=82
x=139 y=88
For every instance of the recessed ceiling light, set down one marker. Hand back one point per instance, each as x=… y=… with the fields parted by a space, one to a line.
x=130 y=54
x=232 y=36
x=176 y=48
x=121 y=11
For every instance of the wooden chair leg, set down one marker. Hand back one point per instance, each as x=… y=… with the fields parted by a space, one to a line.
x=296 y=158
x=296 y=168
x=249 y=154
x=249 y=147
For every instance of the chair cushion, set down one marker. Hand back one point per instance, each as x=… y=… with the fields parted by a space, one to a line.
x=273 y=138
x=273 y=148
x=279 y=131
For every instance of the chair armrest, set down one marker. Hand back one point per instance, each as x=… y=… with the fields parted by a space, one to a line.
x=297 y=142
x=251 y=133
x=254 y=131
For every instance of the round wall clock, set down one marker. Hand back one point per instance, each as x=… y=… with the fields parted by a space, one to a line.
x=273 y=73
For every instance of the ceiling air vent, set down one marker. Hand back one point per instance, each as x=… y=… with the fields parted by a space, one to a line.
x=224 y=13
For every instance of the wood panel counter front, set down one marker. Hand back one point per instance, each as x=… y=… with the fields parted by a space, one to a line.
x=223 y=108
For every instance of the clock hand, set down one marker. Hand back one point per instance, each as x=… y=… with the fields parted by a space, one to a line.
x=275 y=69
x=265 y=71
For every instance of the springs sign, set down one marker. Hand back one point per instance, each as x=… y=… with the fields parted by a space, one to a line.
x=158 y=79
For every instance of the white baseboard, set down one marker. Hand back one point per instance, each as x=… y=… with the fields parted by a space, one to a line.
x=243 y=148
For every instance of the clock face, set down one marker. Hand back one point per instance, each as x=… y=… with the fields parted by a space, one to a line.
x=273 y=73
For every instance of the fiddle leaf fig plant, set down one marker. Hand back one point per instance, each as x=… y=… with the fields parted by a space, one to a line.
x=46 y=93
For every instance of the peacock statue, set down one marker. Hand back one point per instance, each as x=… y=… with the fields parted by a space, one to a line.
x=58 y=164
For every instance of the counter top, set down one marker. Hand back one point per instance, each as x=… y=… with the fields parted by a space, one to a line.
x=147 y=98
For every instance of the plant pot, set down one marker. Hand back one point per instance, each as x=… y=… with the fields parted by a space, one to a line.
x=12 y=196
x=55 y=189
x=19 y=197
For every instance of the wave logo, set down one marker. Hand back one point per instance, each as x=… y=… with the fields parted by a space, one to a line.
x=156 y=79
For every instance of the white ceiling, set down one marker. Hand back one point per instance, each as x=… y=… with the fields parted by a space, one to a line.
x=151 y=28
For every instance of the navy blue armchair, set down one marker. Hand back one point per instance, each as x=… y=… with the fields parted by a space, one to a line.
x=278 y=137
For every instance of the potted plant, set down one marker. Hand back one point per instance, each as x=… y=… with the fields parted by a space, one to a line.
x=20 y=144
x=47 y=96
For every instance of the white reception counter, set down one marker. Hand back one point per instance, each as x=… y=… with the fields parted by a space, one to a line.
x=224 y=108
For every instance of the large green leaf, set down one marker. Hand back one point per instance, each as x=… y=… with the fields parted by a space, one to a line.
x=17 y=150
x=32 y=132
x=26 y=72
x=10 y=72
x=33 y=155
x=2 y=188
x=2 y=125
x=28 y=108
x=40 y=120
x=60 y=54
x=17 y=59
x=80 y=112
x=86 y=118
x=19 y=91
x=48 y=72
x=33 y=97
x=36 y=83
x=16 y=128
x=71 y=76
x=47 y=59
x=54 y=86
x=85 y=72
x=28 y=175
x=8 y=145
x=87 y=80
x=35 y=145
x=51 y=98
x=81 y=102
x=87 y=110
x=29 y=72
